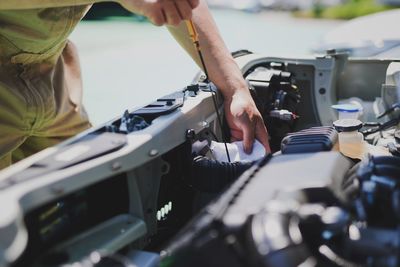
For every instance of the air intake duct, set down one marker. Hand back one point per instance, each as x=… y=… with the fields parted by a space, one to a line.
x=211 y=176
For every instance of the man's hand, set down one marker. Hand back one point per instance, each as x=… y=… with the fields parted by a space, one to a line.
x=161 y=12
x=245 y=121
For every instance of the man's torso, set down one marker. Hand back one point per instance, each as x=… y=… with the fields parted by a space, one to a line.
x=40 y=80
x=36 y=35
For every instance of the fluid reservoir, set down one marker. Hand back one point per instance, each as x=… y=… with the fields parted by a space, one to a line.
x=351 y=141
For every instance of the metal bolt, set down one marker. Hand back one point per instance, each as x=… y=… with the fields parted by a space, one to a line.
x=230 y=239
x=58 y=190
x=116 y=166
x=153 y=152
x=204 y=124
x=190 y=134
x=118 y=142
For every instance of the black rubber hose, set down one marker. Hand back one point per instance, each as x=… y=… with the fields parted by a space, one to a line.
x=211 y=176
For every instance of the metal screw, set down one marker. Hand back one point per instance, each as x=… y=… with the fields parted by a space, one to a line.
x=204 y=124
x=116 y=166
x=118 y=142
x=58 y=190
x=153 y=152
x=190 y=134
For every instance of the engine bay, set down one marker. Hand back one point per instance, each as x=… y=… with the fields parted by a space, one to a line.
x=144 y=189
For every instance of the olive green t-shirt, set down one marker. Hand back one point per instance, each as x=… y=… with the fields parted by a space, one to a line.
x=36 y=35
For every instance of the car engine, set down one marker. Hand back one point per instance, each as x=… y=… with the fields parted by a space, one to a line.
x=308 y=204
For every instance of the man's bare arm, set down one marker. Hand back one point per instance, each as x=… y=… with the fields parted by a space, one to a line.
x=220 y=64
x=244 y=119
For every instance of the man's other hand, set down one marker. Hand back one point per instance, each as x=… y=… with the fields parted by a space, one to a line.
x=245 y=121
x=160 y=12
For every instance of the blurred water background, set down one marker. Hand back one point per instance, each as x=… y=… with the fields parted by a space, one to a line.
x=128 y=62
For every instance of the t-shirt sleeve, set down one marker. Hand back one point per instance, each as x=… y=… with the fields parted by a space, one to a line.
x=28 y=4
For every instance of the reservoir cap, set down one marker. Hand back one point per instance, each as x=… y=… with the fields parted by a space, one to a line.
x=347 y=125
x=346 y=108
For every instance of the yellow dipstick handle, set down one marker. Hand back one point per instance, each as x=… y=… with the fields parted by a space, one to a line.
x=195 y=39
x=192 y=31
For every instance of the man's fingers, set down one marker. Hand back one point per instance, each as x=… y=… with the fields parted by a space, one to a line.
x=262 y=135
x=193 y=3
x=248 y=138
x=158 y=17
x=236 y=135
x=184 y=10
x=172 y=13
x=161 y=12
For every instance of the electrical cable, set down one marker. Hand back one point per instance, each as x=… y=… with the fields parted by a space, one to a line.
x=194 y=36
x=379 y=127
